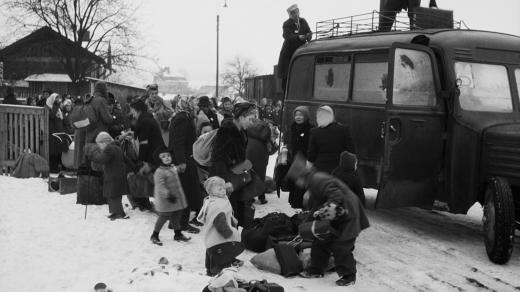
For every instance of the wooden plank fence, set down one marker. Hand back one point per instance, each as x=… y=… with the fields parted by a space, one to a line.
x=23 y=128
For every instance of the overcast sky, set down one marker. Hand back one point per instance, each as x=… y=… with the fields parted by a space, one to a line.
x=181 y=34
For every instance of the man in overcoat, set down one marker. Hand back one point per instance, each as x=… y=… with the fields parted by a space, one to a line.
x=296 y=32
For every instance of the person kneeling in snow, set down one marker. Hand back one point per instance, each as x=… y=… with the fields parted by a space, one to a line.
x=330 y=199
x=169 y=199
x=115 y=186
x=220 y=236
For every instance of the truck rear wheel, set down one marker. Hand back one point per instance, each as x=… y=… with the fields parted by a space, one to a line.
x=499 y=220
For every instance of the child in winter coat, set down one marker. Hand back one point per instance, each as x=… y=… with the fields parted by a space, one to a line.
x=220 y=236
x=347 y=173
x=330 y=199
x=169 y=198
x=110 y=155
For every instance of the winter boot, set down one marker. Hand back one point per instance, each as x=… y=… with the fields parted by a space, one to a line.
x=195 y=222
x=180 y=237
x=346 y=280
x=155 y=238
x=191 y=229
x=310 y=274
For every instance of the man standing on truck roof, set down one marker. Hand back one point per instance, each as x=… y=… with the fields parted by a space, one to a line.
x=390 y=8
x=296 y=32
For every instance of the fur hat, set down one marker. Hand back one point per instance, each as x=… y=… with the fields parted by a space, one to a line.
x=101 y=89
x=298 y=168
x=347 y=160
x=242 y=108
x=211 y=182
x=104 y=137
x=204 y=101
x=292 y=8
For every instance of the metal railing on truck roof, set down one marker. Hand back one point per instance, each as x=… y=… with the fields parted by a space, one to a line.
x=370 y=22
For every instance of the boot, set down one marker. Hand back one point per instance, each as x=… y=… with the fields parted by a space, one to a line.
x=180 y=237
x=346 y=280
x=155 y=238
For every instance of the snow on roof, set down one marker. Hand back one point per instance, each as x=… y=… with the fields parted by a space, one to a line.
x=48 y=77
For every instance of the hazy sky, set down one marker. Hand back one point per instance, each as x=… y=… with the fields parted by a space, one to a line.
x=181 y=34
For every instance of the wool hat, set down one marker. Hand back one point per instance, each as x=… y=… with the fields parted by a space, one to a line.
x=242 y=108
x=101 y=89
x=204 y=101
x=326 y=108
x=298 y=168
x=292 y=8
x=159 y=151
x=347 y=160
x=152 y=86
x=211 y=182
x=104 y=137
x=304 y=110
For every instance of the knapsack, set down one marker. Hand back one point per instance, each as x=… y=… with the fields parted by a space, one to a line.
x=83 y=116
x=202 y=148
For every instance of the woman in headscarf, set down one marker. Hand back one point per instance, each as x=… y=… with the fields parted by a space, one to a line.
x=298 y=142
x=328 y=140
x=182 y=136
x=53 y=103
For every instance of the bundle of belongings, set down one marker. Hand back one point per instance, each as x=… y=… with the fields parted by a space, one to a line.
x=30 y=165
x=228 y=281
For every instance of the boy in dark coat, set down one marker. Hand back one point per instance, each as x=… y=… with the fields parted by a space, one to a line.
x=107 y=153
x=346 y=172
x=330 y=199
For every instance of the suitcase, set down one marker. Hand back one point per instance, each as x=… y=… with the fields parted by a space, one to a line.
x=288 y=259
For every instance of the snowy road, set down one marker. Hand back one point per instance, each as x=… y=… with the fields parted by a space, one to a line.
x=46 y=245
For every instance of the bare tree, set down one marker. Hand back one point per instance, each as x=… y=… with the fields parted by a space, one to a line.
x=236 y=72
x=103 y=27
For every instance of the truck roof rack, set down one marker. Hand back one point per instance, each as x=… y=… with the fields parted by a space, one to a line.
x=370 y=22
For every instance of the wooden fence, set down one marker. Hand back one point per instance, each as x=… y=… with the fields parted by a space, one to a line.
x=23 y=128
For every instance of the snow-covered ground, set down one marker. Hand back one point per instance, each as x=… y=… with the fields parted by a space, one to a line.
x=47 y=245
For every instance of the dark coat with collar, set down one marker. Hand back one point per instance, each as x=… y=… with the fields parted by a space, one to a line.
x=325 y=188
x=291 y=43
x=182 y=136
x=150 y=138
x=326 y=145
x=115 y=184
x=257 y=150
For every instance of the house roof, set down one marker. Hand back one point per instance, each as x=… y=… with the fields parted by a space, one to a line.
x=45 y=34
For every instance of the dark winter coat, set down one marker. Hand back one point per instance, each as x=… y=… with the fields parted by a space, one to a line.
x=148 y=133
x=291 y=43
x=120 y=123
x=182 y=137
x=298 y=139
x=10 y=99
x=67 y=125
x=229 y=149
x=257 y=149
x=55 y=122
x=114 y=175
x=325 y=188
x=89 y=134
x=326 y=145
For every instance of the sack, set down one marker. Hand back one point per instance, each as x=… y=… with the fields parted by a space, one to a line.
x=224 y=253
x=267 y=261
x=140 y=186
x=288 y=259
x=261 y=286
x=202 y=148
x=83 y=116
x=277 y=225
x=317 y=230
x=253 y=237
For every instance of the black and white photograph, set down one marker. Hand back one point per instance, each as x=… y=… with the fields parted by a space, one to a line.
x=259 y=146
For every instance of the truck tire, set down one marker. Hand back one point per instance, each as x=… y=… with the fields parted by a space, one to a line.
x=499 y=220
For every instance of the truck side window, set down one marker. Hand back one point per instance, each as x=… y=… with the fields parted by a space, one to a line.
x=483 y=87
x=300 y=80
x=413 y=79
x=332 y=77
x=370 y=82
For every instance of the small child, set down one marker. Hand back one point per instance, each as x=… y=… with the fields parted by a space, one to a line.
x=169 y=198
x=115 y=186
x=347 y=173
x=220 y=236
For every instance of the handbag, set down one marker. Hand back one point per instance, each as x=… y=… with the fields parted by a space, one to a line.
x=317 y=230
x=241 y=174
x=254 y=188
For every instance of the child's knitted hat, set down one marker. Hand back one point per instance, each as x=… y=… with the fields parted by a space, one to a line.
x=211 y=182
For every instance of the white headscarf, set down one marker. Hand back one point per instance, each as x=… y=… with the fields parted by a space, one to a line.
x=50 y=103
x=324 y=116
